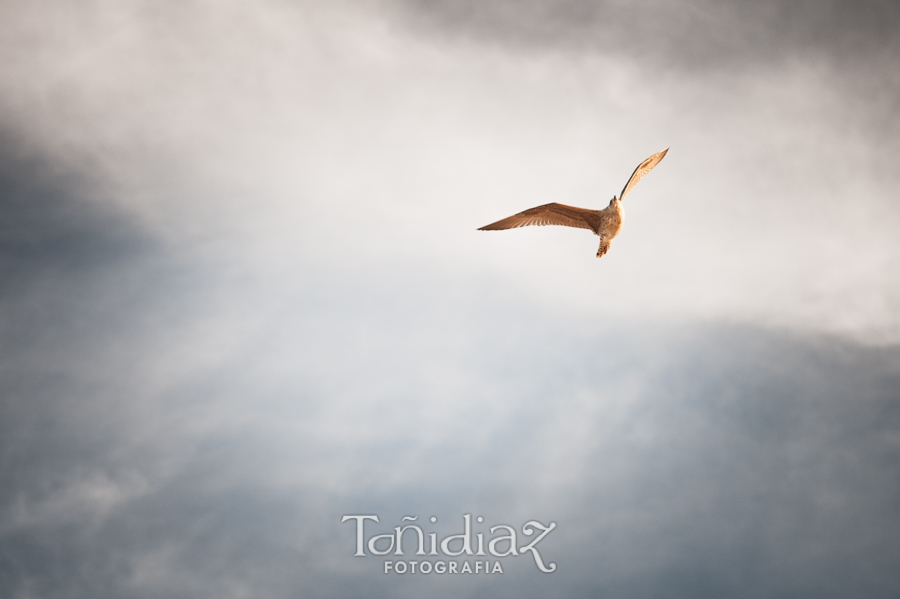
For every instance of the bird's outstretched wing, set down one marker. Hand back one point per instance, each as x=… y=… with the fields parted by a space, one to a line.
x=550 y=214
x=642 y=169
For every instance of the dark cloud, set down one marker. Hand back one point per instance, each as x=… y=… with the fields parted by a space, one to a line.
x=79 y=283
x=687 y=34
x=51 y=222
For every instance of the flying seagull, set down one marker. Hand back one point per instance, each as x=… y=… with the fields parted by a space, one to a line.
x=606 y=223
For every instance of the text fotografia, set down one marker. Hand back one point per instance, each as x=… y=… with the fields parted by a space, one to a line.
x=442 y=567
x=502 y=541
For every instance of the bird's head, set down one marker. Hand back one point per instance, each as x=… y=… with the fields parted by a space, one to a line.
x=615 y=200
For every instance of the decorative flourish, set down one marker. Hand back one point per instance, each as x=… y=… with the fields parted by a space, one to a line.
x=606 y=223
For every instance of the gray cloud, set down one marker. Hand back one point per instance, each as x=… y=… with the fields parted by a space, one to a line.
x=329 y=137
x=696 y=461
x=242 y=295
x=685 y=34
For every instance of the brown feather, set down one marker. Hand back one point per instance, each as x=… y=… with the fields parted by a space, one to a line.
x=550 y=214
x=642 y=169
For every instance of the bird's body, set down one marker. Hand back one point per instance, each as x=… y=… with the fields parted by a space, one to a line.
x=606 y=223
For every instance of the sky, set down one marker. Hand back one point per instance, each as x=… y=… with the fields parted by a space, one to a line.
x=243 y=294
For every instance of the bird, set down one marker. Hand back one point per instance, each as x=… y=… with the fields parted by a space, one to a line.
x=606 y=223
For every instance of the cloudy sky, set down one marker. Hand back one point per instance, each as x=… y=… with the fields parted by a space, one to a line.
x=242 y=294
